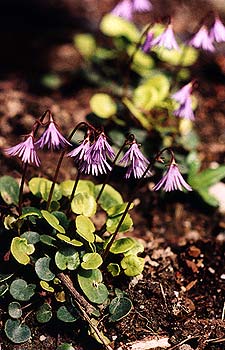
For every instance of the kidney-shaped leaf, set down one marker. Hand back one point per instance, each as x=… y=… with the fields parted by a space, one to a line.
x=90 y=282
x=44 y=313
x=91 y=261
x=112 y=223
x=21 y=291
x=41 y=187
x=21 y=250
x=119 y=308
x=64 y=315
x=84 y=203
x=42 y=269
x=67 y=258
x=16 y=331
x=132 y=265
x=114 y=269
x=115 y=26
x=14 y=310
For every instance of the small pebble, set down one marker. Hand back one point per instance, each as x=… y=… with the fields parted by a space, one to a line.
x=42 y=337
x=222 y=276
x=211 y=270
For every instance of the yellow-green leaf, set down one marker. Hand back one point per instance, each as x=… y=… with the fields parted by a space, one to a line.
x=21 y=250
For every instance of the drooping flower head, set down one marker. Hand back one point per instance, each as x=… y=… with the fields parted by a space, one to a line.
x=126 y=8
x=166 y=39
x=142 y=5
x=185 y=110
x=217 y=32
x=183 y=96
x=52 y=138
x=172 y=180
x=147 y=45
x=25 y=150
x=202 y=40
x=91 y=157
x=135 y=161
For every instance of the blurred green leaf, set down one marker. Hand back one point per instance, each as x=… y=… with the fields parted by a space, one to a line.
x=103 y=105
x=85 y=44
x=116 y=26
x=137 y=114
x=51 y=81
x=9 y=189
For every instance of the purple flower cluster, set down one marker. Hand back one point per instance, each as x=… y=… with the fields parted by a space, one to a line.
x=205 y=38
x=166 y=40
x=127 y=8
x=183 y=97
x=27 y=150
x=91 y=157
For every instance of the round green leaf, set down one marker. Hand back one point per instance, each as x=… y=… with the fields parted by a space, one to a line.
x=85 y=228
x=14 y=310
x=109 y=198
x=122 y=245
x=119 y=308
x=21 y=291
x=21 y=250
x=53 y=221
x=67 y=258
x=115 y=26
x=64 y=315
x=16 y=331
x=103 y=105
x=31 y=237
x=91 y=261
x=84 y=203
x=114 y=269
x=145 y=97
x=83 y=186
x=85 y=44
x=142 y=63
x=9 y=189
x=90 y=282
x=185 y=57
x=118 y=209
x=42 y=269
x=112 y=223
x=132 y=265
x=44 y=313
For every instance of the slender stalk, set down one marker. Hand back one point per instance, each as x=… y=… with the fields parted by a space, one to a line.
x=21 y=188
x=75 y=186
x=59 y=164
x=149 y=167
x=109 y=174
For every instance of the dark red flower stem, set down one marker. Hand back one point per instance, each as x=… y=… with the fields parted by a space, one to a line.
x=60 y=162
x=129 y=139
